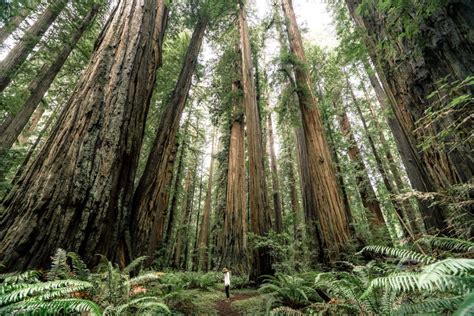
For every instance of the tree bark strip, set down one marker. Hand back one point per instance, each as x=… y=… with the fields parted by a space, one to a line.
x=77 y=192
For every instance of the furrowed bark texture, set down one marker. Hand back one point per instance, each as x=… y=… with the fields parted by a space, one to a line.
x=76 y=194
x=25 y=45
x=234 y=249
x=330 y=210
x=40 y=85
x=258 y=199
x=447 y=49
x=151 y=197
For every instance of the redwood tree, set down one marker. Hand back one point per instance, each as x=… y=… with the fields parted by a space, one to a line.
x=329 y=212
x=75 y=195
x=258 y=199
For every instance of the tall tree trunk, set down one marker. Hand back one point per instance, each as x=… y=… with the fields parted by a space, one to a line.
x=446 y=51
x=331 y=213
x=203 y=239
x=367 y=193
x=234 y=248
x=25 y=45
x=41 y=84
x=151 y=197
x=433 y=216
x=76 y=194
x=30 y=128
x=258 y=199
x=275 y=180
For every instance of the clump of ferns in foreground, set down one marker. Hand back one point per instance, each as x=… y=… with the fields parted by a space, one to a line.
x=70 y=288
x=411 y=283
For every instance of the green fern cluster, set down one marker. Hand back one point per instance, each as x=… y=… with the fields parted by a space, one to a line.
x=25 y=293
x=292 y=291
x=69 y=282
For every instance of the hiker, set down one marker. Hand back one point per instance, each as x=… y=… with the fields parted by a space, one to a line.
x=226 y=281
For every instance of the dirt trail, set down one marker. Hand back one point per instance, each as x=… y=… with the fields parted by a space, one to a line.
x=223 y=306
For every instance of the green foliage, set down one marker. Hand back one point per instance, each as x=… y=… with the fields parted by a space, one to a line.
x=446 y=243
x=399 y=253
x=292 y=291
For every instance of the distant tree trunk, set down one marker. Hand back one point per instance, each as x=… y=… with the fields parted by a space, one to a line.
x=185 y=212
x=203 y=238
x=28 y=130
x=32 y=36
x=445 y=52
x=392 y=166
x=234 y=248
x=33 y=147
x=378 y=160
x=12 y=25
x=331 y=213
x=258 y=199
x=367 y=193
x=275 y=180
x=76 y=194
x=41 y=84
x=433 y=216
x=151 y=197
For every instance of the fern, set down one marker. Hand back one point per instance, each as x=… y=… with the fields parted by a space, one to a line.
x=59 y=267
x=144 y=278
x=433 y=305
x=68 y=306
x=79 y=267
x=63 y=287
x=134 y=264
x=400 y=253
x=142 y=303
x=450 y=244
x=467 y=307
x=28 y=276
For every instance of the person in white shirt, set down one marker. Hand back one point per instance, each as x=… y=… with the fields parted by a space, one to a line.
x=226 y=281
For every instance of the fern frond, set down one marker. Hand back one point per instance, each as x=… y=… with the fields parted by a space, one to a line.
x=435 y=305
x=399 y=253
x=451 y=244
x=28 y=276
x=144 y=302
x=401 y=282
x=145 y=278
x=467 y=307
x=59 y=267
x=66 y=286
x=134 y=264
x=68 y=306
x=79 y=267
x=449 y=266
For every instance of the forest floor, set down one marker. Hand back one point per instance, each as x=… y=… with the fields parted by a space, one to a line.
x=247 y=301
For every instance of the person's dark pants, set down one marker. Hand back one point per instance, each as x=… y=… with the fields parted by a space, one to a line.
x=227 y=291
